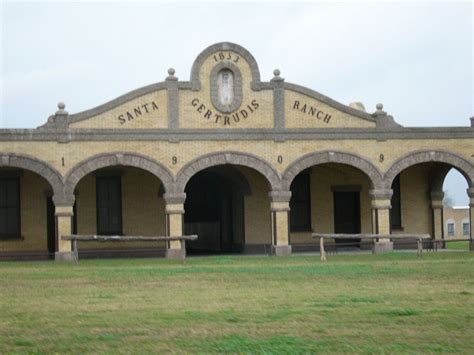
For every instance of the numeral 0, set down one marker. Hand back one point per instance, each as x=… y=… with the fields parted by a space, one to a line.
x=280 y=159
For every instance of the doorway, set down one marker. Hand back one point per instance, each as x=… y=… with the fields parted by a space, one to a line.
x=50 y=227
x=214 y=212
x=347 y=216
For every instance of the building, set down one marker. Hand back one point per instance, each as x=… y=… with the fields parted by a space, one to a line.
x=458 y=225
x=250 y=166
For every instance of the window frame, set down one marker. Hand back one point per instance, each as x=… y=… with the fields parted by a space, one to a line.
x=466 y=231
x=17 y=234
x=448 y=224
x=120 y=214
x=307 y=226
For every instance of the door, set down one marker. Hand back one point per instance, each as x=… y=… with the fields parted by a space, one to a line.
x=347 y=215
x=207 y=210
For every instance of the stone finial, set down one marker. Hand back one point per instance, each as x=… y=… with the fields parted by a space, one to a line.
x=61 y=111
x=380 y=111
x=276 y=75
x=382 y=119
x=171 y=73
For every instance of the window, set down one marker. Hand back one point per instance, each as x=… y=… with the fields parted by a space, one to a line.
x=109 y=205
x=465 y=228
x=225 y=86
x=450 y=229
x=396 y=210
x=9 y=208
x=300 y=204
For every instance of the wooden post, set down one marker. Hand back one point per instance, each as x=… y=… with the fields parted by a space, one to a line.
x=321 y=249
x=75 y=252
x=420 y=247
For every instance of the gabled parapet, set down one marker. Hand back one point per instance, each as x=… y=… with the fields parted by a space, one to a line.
x=225 y=92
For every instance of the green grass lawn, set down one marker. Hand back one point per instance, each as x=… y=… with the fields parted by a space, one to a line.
x=458 y=245
x=392 y=303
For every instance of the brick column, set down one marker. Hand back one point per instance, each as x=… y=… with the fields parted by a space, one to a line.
x=174 y=223
x=437 y=214
x=381 y=205
x=470 y=193
x=280 y=215
x=64 y=207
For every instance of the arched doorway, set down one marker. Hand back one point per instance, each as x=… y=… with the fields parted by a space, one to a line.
x=251 y=224
x=214 y=210
x=27 y=225
x=417 y=182
x=330 y=194
x=119 y=194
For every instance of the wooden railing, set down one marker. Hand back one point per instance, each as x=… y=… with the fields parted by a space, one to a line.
x=74 y=238
x=419 y=238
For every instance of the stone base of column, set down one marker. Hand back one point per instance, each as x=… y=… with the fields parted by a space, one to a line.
x=64 y=256
x=281 y=250
x=176 y=254
x=383 y=247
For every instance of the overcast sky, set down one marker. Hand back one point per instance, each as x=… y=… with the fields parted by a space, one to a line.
x=417 y=59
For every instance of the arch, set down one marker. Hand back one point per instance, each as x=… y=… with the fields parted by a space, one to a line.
x=223 y=46
x=311 y=159
x=462 y=165
x=235 y=176
x=438 y=175
x=117 y=159
x=224 y=158
x=43 y=169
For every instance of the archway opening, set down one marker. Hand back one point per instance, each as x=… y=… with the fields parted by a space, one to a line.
x=214 y=210
x=457 y=224
x=124 y=201
x=329 y=198
x=27 y=226
x=228 y=207
x=423 y=199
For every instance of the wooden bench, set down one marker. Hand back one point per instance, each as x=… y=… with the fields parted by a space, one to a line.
x=373 y=237
x=74 y=238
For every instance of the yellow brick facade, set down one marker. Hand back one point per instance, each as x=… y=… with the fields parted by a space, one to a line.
x=458 y=216
x=303 y=112
x=33 y=192
x=147 y=111
x=159 y=137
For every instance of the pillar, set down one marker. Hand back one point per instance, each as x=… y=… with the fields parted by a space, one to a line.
x=64 y=207
x=381 y=205
x=280 y=215
x=174 y=224
x=437 y=213
x=470 y=193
